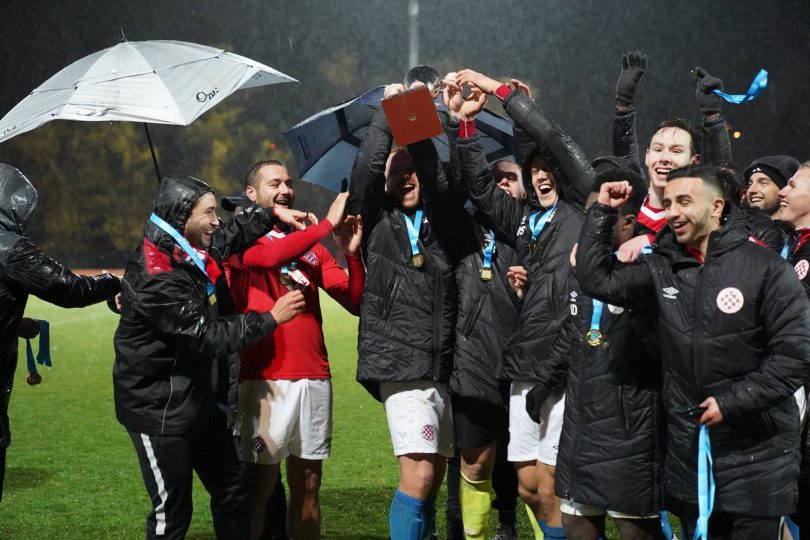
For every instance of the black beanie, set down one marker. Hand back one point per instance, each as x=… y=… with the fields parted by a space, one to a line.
x=778 y=168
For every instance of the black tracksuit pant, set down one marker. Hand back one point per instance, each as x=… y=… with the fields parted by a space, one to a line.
x=167 y=463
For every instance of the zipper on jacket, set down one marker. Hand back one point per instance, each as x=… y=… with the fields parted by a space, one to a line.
x=436 y=322
x=697 y=363
x=623 y=409
x=574 y=448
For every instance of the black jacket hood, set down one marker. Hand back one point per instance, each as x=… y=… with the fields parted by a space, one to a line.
x=18 y=198
x=777 y=168
x=174 y=201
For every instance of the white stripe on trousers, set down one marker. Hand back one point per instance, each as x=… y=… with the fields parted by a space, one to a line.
x=160 y=510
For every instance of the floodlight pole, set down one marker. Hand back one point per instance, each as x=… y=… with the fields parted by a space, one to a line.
x=413 y=32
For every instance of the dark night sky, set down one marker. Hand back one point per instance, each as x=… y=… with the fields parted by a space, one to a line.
x=570 y=51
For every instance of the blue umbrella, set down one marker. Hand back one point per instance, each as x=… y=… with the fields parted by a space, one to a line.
x=325 y=144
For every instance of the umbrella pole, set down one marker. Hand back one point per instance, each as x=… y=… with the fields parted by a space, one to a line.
x=152 y=149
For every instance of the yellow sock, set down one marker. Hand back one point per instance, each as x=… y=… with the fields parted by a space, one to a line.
x=538 y=534
x=476 y=502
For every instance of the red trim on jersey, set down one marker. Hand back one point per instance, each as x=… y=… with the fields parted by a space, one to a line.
x=652 y=218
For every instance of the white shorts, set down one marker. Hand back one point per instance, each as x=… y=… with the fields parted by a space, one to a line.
x=577 y=509
x=529 y=441
x=281 y=418
x=420 y=417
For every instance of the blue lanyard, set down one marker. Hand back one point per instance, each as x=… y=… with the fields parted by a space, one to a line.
x=705 y=480
x=537 y=225
x=594 y=337
x=758 y=85
x=490 y=247
x=413 y=231
x=44 y=354
x=790 y=245
x=184 y=245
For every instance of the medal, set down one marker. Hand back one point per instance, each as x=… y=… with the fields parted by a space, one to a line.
x=593 y=337
x=285 y=279
x=532 y=245
x=418 y=260
x=486 y=274
x=33 y=378
x=212 y=299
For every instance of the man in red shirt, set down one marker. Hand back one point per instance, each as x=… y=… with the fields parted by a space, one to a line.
x=285 y=393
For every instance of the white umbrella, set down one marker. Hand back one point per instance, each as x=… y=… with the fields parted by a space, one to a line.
x=165 y=82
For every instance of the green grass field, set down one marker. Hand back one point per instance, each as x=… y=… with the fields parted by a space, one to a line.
x=72 y=471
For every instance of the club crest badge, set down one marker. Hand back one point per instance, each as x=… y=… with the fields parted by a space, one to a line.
x=730 y=300
x=801 y=268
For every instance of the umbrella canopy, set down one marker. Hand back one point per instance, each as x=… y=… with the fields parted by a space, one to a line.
x=325 y=144
x=163 y=82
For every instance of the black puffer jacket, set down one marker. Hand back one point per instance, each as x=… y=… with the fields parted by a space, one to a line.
x=544 y=307
x=487 y=309
x=612 y=441
x=734 y=328
x=407 y=314
x=25 y=270
x=173 y=339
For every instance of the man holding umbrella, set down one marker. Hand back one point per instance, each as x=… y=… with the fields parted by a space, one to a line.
x=177 y=323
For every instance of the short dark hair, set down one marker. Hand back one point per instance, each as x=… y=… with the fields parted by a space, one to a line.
x=710 y=174
x=732 y=181
x=618 y=174
x=681 y=123
x=250 y=177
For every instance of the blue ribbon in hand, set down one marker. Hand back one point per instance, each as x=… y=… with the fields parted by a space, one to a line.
x=44 y=354
x=705 y=481
x=758 y=85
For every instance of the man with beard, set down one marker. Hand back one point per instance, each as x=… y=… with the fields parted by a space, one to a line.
x=732 y=324
x=285 y=393
x=177 y=325
x=763 y=180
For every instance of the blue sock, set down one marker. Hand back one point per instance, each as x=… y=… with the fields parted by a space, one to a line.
x=406 y=518
x=554 y=533
x=429 y=514
x=543 y=526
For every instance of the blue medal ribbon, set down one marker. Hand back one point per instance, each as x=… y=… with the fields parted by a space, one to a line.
x=758 y=85
x=536 y=225
x=705 y=481
x=285 y=269
x=413 y=231
x=184 y=245
x=490 y=247
x=43 y=357
x=790 y=245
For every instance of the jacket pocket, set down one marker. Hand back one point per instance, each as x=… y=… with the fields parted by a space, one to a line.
x=622 y=407
x=469 y=324
x=389 y=299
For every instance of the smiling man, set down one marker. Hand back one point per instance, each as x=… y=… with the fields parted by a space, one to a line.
x=764 y=178
x=733 y=323
x=285 y=391
x=177 y=322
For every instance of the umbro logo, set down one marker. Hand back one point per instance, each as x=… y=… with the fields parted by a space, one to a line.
x=573 y=295
x=671 y=293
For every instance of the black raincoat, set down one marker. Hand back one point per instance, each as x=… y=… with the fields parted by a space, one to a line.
x=612 y=441
x=735 y=328
x=25 y=270
x=173 y=339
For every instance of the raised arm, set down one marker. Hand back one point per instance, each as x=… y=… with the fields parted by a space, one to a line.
x=367 y=190
x=601 y=276
x=716 y=146
x=625 y=139
x=565 y=157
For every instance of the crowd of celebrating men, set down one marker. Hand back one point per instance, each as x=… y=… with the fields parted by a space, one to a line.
x=589 y=321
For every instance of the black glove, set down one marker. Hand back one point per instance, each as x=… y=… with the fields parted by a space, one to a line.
x=634 y=64
x=534 y=401
x=708 y=101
